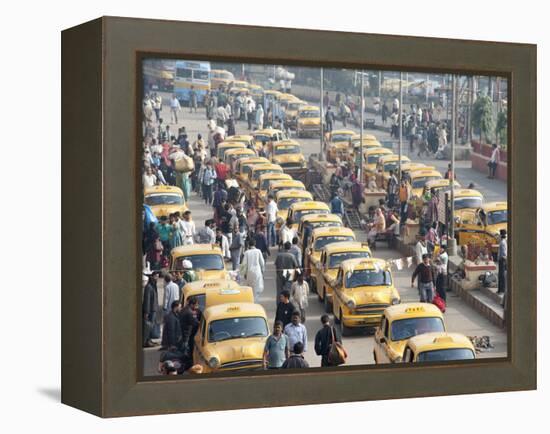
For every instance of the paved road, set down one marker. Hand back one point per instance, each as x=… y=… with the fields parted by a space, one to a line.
x=459 y=316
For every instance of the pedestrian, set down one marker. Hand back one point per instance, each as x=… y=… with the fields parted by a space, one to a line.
x=189 y=320
x=405 y=193
x=271 y=210
x=177 y=230
x=432 y=238
x=377 y=226
x=178 y=280
x=336 y=204
x=149 y=178
x=393 y=188
x=295 y=250
x=299 y=293
x=286 y=233
x=171 y=292
x=441 y=277
x=188 y=273
x=296 y=332
x=193 y=98
x=385 y=111
x=329 y=119
x=420 y=249
x=223 y=243
x=285 y=308
x=356 y=192
x=235 y=248
x=493 y=162
x=326 y=100
x=250 y=108
x=165 y=229
x=285 y=262
x=152 y=314
x=208 y=179
x=253 y=268
x=175 y=107
x=261 y=241
x=157 y=106
x=502 y=262
x=276 y=349
x=206 y=235
x=324 y=339
x=296 y=359
x=189 y=230
x=171 y=331
x=425 y=279
x=449 y=173
x=260 y=117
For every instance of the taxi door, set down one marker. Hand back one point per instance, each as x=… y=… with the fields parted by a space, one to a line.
x=381 y=338
x=471 y=230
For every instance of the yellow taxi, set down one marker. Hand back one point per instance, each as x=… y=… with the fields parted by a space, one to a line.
x=369 y=142
x=291 y=113
x=265 y=181
x=251 y=186
x=440 y=184
x=325 y=236
x=231 y=337
x=324 y=270
x=279 y=185
x=438 y=347
x=220 y=77
x=241 y=83
x=372 y=155
x=338 y=144
x=223 y=147
x=390 y=162
x=236 y=90
x=234 y=155
x=206 y=259
x=481 y=227
x=362 y=289
x=256 y=92
x=271 y=96
x=164 y=200
x=419 y=177
x=308 y=121
x=266 y=137
x=218 y=292
x=244 y=166
x=288 y=154
x=400 y=323
x=301 y=209
x=313 y=221
x=247 y=139
x=466 y=201
x=286 y=198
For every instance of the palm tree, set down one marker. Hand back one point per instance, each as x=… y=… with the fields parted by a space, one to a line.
x=482 y=117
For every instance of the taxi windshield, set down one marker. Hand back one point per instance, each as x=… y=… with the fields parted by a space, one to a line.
x=297 y=216
x=340 y=137
x=309 y=114
x=222 y=151
x=294 y=105
x=202 y=262
x=265 y=184
x=467 y=202
x=259 y=172
x=421 y=181
x=393 y=165
x=273 y=191
x=406 y=328
x=163 y=199
x=368 y=278
x=236 y=328
x=496 y=217
x=446 y=354
x=373 y=159
x=337 y=258
x=285 y=202
x=323 y=241
x=287 y=149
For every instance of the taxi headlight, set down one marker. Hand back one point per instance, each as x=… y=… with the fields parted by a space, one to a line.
x=395 y=300
x=350 y=304
x=214 y=362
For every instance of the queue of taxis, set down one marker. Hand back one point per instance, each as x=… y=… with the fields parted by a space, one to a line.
x=286 y=198
x=321 y=237
x=362 y=289
x=247 y=139
x=264 y=183
x=252 y=183
x=266 y=137
x=372 y=155
x=401 y=322
x=339 y=144
x=234 y=155
x=438 y=347
x=206 y=259
x=164 y=200
x=288 y=154
x=325 y=269
x=278 y=185
x=313 y=221
x=466 y=200
x=419 y=176
x=231 y=337
x=301 y=209
x=482 y=226
x=244 y=166
x=291 y=112
x=308 y=121
x=390 y=162
x=223 y=147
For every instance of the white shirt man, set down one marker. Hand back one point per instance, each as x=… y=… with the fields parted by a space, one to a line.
x=171 y=294
x=421 y=249
x=271 y=211
x=149 y=180
x=495 y=156
x=188 y=231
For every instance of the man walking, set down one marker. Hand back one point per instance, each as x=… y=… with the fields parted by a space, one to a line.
x=393 y=186
x=208 y=179
x=296 y=359
x=493 y=162
x=299 y=292
x=285 y=309
x=284 y=262
x=276 y=349
x=296 y=332
x=235 y=248
x=324 y=339
x=171 y=292
x=425 y=279
x=271 y=213
x=171 y=332
x=175 y=107
x=193 y=100
x=189 y=320
x=502 y=262
x=151 y=311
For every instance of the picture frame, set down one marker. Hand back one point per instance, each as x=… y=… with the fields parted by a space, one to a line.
x=101 y=192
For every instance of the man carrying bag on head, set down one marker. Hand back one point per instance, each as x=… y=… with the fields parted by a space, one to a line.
x=328 y=344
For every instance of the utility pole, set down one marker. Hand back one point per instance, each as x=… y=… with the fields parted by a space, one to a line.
x=379 y=83
x=321 y=155
x=451 y=242
x=427 y=87
x=360 y=168
x=400 y=123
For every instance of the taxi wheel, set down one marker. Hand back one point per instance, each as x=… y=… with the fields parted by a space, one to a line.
x=326 y=302
x=345 y=331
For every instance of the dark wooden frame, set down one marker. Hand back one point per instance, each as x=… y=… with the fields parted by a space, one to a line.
x=101 y=195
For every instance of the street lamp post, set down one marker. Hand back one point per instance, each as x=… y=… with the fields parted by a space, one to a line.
x=451 y=242
x=322 y=112
x=360 y=168
x=400 y=123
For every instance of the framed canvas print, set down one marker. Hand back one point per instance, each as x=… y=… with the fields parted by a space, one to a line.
x=348 y=215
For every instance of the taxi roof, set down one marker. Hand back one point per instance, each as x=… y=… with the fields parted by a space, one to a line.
x=233 y=310
x=266 y=131
x=437 y=183
x=494 y=206
x=412 y=310
x=288 y=97
x=241 y=151
x=310 y=204
x=331 y=231
x=321 y=218
x=350 y=132
x=266 y=166
x=238 y=89
x=253 y=160
x=255 y=86
x=287 y=142
x=196 y=249
x=380 y=150
x=309 y=108
x=369 y=137
x=286 y=182
x=201 y=286
x=272 y=92
x=233 y=144
x=241 y=83
x=363 y=264
x=424 y=172
x=465 y=192
x=276 y=176
x=158 y=189
x=393 y=157
x=439 y=340
x=293 y=193
x=346 y=246
x=237 y=137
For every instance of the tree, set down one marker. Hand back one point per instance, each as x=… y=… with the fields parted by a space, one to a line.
x=482 y=117
x=502 y=127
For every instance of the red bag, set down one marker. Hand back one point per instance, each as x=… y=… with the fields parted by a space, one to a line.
x=440 y=303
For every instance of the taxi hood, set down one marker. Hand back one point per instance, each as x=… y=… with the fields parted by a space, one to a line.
x=233 y=350
x=211 y=274
x=166 y=210
x=372 y=295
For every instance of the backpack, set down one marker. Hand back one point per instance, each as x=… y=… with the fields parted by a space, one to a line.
x=337 y=354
